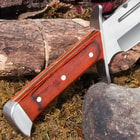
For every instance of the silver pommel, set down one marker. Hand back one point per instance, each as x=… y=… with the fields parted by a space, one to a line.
x=16 y=116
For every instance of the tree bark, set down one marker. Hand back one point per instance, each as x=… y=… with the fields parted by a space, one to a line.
x=25 y=43
x=8 y=3
x=29 y=3
x=27 y=46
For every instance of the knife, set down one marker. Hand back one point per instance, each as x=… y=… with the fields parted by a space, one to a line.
x=120 y=32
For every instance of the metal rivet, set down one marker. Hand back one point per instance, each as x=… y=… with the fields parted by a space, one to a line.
x=63 y=77
x=91 y=54
x=38 y=99
x=125 y=56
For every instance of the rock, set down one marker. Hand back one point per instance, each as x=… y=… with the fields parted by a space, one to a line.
x=111 y=112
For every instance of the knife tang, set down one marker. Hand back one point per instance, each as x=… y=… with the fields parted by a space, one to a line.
x=36 y=95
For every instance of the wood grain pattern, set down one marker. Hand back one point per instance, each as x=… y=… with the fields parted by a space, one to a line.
x=34 y=97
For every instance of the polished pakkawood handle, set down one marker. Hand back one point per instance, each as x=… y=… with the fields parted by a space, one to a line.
x=36 y=95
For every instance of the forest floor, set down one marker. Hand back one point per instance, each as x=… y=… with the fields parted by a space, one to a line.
x=62 y=119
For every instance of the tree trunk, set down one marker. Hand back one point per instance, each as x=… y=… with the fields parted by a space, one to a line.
x=25 y=44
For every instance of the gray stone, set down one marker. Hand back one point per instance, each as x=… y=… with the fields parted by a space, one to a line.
x=111 y=112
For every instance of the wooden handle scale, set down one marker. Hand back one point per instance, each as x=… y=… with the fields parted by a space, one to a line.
x=36 y=95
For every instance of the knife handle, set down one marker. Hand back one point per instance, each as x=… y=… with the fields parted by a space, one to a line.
x=36 y=95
